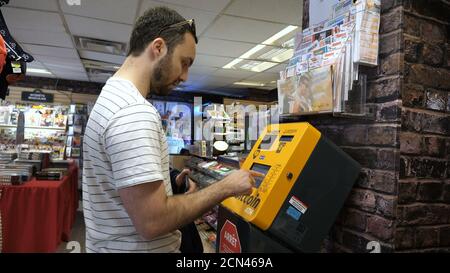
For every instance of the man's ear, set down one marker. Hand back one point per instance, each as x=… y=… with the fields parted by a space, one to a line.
x=157 y=49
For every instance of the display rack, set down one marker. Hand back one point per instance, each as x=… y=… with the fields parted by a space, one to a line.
x=76 y=124
x=324 y=74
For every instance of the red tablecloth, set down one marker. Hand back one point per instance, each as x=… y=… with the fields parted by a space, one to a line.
x=38 y=215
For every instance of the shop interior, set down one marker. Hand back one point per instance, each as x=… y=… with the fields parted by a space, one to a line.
x=305 y=66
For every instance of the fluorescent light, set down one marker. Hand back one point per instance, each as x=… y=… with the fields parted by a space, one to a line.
x=232 y=63
x=280 y=34
x=246 y=55
x=38 y=71
x=252 y=51
x=250 y=84
x=283 y=56
x=263 y=66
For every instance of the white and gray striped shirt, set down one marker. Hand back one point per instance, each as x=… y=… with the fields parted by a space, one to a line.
x=124 y=145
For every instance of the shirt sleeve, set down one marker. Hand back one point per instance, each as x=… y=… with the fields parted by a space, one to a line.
x=132 y=143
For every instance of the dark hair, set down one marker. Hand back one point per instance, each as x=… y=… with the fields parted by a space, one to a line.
x=147 y=27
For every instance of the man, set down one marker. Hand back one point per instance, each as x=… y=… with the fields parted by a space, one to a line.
x=127 y=196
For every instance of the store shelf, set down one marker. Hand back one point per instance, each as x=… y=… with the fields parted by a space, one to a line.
x=34 y=127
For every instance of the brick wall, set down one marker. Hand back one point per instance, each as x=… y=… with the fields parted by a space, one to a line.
x=401 y=198
x=423 y=211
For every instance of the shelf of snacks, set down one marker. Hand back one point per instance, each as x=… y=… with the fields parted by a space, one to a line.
x=43 y=127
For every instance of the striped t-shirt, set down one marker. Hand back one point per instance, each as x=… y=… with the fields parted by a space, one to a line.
x=124 y=145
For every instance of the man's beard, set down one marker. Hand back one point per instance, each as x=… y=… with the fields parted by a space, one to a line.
x=160 y=84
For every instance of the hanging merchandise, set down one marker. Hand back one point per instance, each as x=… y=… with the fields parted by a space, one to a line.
x=2 y=53
x=14 y=50
x=323 y=75
x=13 y=71
x=15 y=67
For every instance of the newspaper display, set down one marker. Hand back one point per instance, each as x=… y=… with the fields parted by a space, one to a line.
x=335 y=48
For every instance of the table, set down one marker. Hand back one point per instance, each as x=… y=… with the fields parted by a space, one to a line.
x=38 y=215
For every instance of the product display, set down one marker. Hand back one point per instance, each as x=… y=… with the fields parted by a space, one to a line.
x=325 y=64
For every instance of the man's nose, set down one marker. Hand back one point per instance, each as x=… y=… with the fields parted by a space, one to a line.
x=184 y=76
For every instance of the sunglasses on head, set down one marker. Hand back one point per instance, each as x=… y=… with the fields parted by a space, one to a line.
x=190 y=23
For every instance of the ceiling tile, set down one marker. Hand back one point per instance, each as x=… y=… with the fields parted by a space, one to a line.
x=42 y=37
x=282 y=11
x=201 y=70
x=109 y=58
x=202 y=18
x=232 y=73
x=98 y=29
x=73 y=76
x=277 y=68
x=208 y=5
x=49 y=5
x=32 y=20
x=117 y=11
x=58 y=60
x=224 y=48
x=51 y=51
x=241 y=29
x=263 y=77
x=214 y=61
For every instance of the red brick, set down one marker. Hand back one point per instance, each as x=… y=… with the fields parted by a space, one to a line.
x=434 y=146
x=387 y=159
x=412 y=50
x=432 y=54
x=436 y=123
x=391 y=65
x=411 y=25
x=384 y=90
x=427 y=237
x=428 y=76
x=412 y=121
x=410 y=143
x=430 y=191
x=388 y=112
x=355 y=135
x=383 y=135
x=390 y=44
x=413 y=95
x=425 y=168
x=385 y=205
x=355 y=219
x=432 y=32
x=423 y=214
x=444 y=236
x=407 y=192
x=381 y=181
x=380 y=227
x=391 y=21
x=362 y=199
x=404 y=238
x=446 y=194
x=436 y=100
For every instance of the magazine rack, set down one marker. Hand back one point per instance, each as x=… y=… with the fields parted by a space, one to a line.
x=324 y=74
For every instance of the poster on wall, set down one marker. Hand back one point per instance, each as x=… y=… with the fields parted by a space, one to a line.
x=160 y=106
x=320 y=10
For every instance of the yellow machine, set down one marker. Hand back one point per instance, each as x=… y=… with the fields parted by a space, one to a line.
x=306 y=181
x=280 y=155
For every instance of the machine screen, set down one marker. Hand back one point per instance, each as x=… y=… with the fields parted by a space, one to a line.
x=260 y=168
x=286 y=138
x=267 y=142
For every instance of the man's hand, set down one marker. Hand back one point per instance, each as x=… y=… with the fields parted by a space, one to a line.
x=241 y=182
x=181 y=178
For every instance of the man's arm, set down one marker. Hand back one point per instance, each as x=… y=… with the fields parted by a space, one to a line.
x=154 y=213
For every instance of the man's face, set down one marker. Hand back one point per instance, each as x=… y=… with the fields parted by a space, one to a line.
x=173 y=68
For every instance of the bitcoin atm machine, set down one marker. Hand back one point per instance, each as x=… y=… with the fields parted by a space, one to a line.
x=292 y=208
